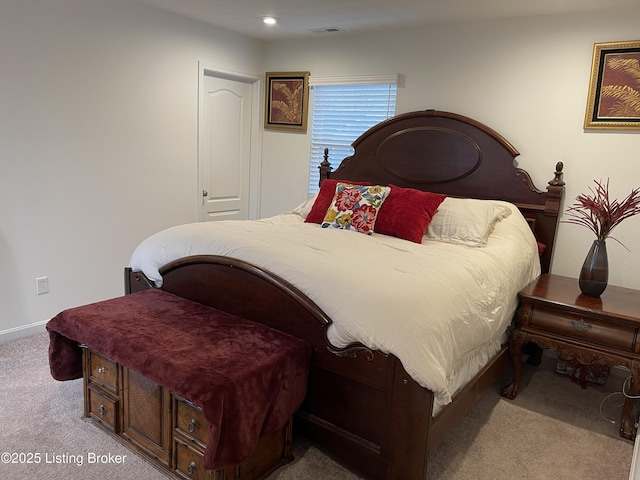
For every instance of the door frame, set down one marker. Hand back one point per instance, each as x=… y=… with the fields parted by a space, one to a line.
x=255 y=163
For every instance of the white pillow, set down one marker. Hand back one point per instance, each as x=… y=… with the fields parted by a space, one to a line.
x=466 y=221
x=305 y=207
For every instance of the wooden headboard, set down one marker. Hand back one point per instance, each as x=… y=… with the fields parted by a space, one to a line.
x=448 y=153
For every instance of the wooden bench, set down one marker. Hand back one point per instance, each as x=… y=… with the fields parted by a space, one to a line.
x=196 y=391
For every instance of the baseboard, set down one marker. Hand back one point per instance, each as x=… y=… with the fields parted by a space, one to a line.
x=22 y=331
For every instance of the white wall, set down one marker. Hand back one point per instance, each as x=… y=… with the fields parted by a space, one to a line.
x=98 y=141
x=98 y=127
x=526 y=78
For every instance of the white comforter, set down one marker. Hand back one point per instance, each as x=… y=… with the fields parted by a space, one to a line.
x=440 y=308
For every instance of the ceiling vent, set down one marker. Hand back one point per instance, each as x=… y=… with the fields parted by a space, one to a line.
x=325 y=30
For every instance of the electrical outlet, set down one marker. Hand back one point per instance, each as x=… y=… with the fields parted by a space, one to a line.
x=42 y=285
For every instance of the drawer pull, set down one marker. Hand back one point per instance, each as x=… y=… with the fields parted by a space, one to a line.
x=192 y=425
x=101 y=370
x=191 y=468
x=581 y=326
x=101 y=409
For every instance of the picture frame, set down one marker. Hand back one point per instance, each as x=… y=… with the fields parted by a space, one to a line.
x=286 y=101
x=614 y=87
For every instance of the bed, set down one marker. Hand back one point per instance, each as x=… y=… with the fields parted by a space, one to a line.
x=382 y=393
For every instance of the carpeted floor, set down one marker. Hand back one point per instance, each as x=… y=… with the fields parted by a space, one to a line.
x=552 y=430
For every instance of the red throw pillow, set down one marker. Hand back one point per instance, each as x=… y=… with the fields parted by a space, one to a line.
x=541 y=248
x=406 y=213
x=324 y=199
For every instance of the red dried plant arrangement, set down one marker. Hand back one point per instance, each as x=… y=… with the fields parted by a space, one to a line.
x=600 y=214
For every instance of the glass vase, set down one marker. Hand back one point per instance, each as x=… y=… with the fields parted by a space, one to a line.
x=594 y=274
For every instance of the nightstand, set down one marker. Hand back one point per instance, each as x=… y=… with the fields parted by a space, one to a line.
x=555 y=315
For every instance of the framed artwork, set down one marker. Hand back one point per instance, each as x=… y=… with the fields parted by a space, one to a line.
x=286 y=101
x=614 y=87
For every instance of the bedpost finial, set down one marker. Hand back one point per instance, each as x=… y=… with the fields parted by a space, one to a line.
x=557 y=179
x=325 y=162
x=325 y=166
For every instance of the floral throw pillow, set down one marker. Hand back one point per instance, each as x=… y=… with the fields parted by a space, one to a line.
x=325 y=197
x=355 y=207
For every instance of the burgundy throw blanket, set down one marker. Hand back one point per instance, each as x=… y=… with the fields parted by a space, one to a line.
x=247 y=378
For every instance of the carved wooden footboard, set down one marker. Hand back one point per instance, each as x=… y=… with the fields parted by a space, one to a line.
x=360 y=404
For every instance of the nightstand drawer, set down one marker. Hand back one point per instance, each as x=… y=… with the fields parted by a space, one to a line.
x=585 y=328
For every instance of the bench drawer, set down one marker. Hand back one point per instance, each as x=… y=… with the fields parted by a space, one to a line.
x=190 y=421
x=104 y=409
x=103 y=371
x=188 y=463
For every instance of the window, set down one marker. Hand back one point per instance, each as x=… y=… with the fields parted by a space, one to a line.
x=342 y=110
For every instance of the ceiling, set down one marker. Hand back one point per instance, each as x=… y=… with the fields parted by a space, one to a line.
x=299 y=18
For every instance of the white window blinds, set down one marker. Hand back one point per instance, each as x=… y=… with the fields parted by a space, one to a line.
x=341 y=113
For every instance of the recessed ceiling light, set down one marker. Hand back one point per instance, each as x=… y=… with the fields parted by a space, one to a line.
x=269 y=20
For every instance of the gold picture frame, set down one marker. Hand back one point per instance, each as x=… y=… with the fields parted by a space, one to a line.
x=286 y=101
x=614 y=87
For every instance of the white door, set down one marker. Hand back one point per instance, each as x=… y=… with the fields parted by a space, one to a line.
x=225 y=148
